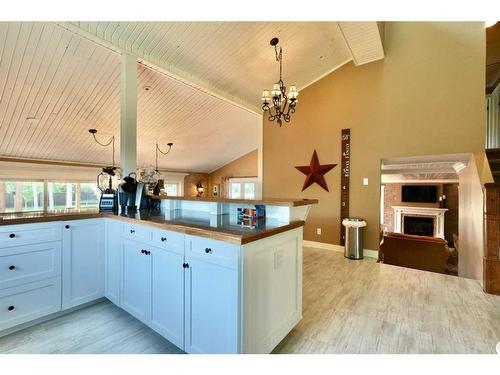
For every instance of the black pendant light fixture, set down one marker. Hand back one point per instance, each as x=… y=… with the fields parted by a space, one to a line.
x=158 y=149
x=108 y=170
x=278 y=103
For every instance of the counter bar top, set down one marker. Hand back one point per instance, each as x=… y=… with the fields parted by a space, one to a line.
x=268 y=201
x=223 y=231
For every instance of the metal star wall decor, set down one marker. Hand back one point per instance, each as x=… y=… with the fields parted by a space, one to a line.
x=315 y=172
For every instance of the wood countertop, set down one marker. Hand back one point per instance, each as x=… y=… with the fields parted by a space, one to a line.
x=223 y=231
x=268 y=201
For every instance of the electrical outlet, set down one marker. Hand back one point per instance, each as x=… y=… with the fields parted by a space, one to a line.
x=365 y=181
x=318 y=231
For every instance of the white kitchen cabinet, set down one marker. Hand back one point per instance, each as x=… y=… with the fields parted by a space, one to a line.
x=167 y=293
x=211 y=308
x=113 y=261
x=83 y=262
x=27 y=302
x=136 y=280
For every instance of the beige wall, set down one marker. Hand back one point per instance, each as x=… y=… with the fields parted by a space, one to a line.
x=190 y=182
x=246 y=166
x=426 y=97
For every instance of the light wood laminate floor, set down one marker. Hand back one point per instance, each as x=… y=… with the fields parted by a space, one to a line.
x=348 y=307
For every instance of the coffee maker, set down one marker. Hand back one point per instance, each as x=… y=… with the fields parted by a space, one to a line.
x=109 y=195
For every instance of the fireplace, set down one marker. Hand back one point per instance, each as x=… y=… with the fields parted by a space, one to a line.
x=434 y=218
x=418 y=225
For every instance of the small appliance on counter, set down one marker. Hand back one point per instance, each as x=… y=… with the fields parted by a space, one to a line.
x=126 y=193
x=109 y=195
x=252 y=217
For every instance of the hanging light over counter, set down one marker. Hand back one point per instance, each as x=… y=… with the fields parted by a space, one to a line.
x=278 y=103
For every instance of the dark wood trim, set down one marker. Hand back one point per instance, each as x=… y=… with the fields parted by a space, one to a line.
x=345 y=175
x=491 y=258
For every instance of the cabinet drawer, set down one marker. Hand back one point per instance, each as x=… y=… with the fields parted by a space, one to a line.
x=28 y=302
x=164 y=238
x=24 y=264
x=212 y=251
x=25 y=234
x=136 y=232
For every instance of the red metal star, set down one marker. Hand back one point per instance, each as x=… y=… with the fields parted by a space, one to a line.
x=315 y=172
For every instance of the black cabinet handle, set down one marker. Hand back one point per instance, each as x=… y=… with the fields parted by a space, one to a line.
x=185 y=265
x=147 y=252
x=12 y=267
x=208 y=250
x=66 y=226
x=10 y=308
x=12 y=235
x=163 y=239
x=132 y=231
x=143 y=251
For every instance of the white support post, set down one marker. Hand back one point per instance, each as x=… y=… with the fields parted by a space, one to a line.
x=128 y=114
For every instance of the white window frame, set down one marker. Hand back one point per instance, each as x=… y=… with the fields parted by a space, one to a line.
x=242 y=181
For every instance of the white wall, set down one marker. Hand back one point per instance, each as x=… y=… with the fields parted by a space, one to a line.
x=470 y=213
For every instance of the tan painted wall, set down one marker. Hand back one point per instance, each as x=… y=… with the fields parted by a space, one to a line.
x=246 y=166
x=425 y=97
x=190 y=182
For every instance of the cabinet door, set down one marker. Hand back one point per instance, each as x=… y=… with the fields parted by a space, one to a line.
x=113 y=261
x=211 y=308
x=83 y=262
x=167 y=298
x=136 y=280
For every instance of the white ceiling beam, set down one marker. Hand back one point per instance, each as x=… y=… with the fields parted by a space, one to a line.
x=178 y=74
x=363 y=40
x=128 y=114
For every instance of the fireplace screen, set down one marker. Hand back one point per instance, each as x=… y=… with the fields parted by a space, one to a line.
x=421 y=226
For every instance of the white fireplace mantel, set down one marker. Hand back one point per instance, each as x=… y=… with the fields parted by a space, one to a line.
x=437 y=213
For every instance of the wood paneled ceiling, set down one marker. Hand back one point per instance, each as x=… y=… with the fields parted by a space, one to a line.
x=199 y=83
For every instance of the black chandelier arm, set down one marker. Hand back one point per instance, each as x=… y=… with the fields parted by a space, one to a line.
x=162 y=152
x=110 y=142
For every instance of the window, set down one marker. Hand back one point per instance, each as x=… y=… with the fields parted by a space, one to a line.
x=171 y=188
x=61 y=195
x=20 y=196
x=245 y=188
x=89 y=195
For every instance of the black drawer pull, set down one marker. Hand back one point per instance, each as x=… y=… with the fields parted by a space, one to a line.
x=185 y=265
x=132 y=231
x=143 y=251
x=147 y=252
x=163 y=239
x=10 y=308
x=208 y=250
x=12 y=235
x=12 y=267
x=66 y=226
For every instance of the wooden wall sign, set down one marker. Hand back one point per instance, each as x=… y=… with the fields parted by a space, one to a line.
x=345 y=174
x=315 y=172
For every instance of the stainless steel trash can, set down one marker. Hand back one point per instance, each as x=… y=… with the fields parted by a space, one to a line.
x=353 y=248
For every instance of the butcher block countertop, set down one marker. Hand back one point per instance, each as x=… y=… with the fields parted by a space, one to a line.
x=222 y=230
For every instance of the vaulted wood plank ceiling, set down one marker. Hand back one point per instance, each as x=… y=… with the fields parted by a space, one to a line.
x=203 y=83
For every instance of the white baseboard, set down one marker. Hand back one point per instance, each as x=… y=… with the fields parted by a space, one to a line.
x=328 y=246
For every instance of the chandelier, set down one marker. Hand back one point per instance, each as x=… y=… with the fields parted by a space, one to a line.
x=279 y=105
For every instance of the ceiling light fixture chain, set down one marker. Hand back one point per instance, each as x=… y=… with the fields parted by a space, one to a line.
x=104 y=144
x=279 y=105
x=158 y=149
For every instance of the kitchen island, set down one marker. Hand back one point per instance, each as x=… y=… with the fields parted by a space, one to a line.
x=186 y=269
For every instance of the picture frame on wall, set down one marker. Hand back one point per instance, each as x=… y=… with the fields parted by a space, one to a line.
x=215 y=190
